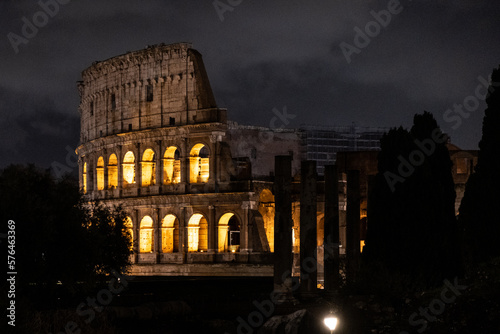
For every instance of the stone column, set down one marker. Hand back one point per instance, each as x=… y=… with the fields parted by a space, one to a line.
x=159 y=165
x=212 y=230
x=331 y=241
x=120 y=170
x=283 y=227
x=183 y=233
x=212 y=178
x=184 y=156
x=244 y=233
x=137 y=235
x=138 y=169
x=157 y=235
x=352 y=228
x=308 y=229
x=105 y=170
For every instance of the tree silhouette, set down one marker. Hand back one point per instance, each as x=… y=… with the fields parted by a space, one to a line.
x=478 y=217
x=411 y=221
x=60 y=239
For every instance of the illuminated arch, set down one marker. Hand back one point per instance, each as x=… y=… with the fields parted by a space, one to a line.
x=84 y=178
x=128 y=169
x=148 y=167
x=229 y=233
x=197 y=233
x=146 y=235
x=100 y=173
x=171 y=166
x=112 y=171
x=130 y=228
x=170 y=234
x=266 y=209
x=320 y=229
x=199 y=162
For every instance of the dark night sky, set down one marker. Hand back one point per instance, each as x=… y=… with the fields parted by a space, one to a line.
x=264 y=55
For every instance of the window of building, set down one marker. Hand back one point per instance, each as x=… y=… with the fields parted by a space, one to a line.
x=172 y=121
x=113 y=101
x=112 y=172
x=91 y=108
x=170 y=234
x=148 y=165
x=197 y=233
x=149 y=93
x=84 y=178
x=128 y=169
x=100 y=173
x=171 y=166
x=229 y=233
x=199 y=164
x=146 y=235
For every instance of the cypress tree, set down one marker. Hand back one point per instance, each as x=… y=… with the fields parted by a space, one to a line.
x=478 y=217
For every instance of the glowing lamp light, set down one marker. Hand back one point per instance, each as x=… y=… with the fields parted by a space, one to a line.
x=331 y=322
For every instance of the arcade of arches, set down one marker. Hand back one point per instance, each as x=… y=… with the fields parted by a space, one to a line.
x=107 y=175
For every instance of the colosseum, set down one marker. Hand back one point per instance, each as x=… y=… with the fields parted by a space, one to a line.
x=197 y=188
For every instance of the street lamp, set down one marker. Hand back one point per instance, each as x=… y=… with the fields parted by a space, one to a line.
x=331 y=322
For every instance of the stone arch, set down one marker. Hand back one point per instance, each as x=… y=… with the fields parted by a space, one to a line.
x=128 y=169
x=146 y=235
x=112 y=172
x=148 y=168
x=171 y=165
x=170 y=234
x=199 y=163
x=267 y=210
x=229 y=233
x=197 y=233
x=100 y=173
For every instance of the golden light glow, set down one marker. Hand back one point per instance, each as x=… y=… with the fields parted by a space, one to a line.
x=171 y=166
x=266 y=209
x=223 y=232
x=197 y=233
x=100 y=173
x=129 y=225
x=146 y=235
x=112 y=171
x=167 y=234
x=128 y=169
x=84 y=178
x=148 y=168
x=361 y=245
x=199 y=164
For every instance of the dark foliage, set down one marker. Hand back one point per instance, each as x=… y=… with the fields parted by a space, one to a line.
x=478 y=217
x=63 y=244
x=412 y=230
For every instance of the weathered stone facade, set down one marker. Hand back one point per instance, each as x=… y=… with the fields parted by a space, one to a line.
x=154 y=141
